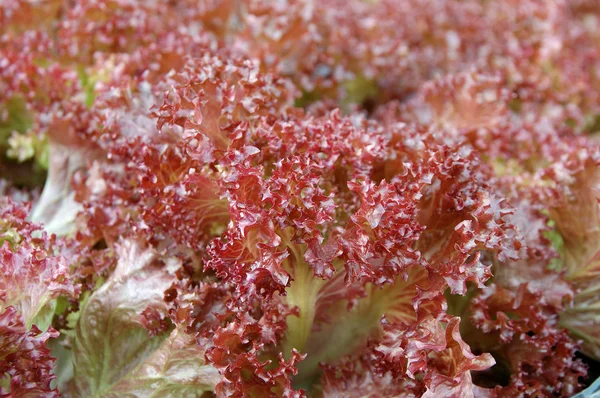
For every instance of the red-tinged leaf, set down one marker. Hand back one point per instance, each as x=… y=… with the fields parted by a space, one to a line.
x=213 y=95
x=109 y=205
x=463 y=218
x=550 y=284
x=33 y=271
x=14 y=227
x=425 y=359
x=343 y=149
x=199 y=307
x=581 y=318
x=380 y=238
x=176 y=369
x=455 y=364
x=460 y=103
x=191 y=209
x=277 y=231
x=110 y=339
x=17 y=16
x=363 y=379
x=155 y=321
x=434 y=349
x=30 y=279
x=442 y=387
x=43 y=87
x=273 y=218
x=348 y=316
x=522 y=331
x=242 y=349
x=109 y=26
x=539 y=265
x=238 y=328
x=26 y=367
x=249 y=257
x=17 y=194
x=576 y=211
x=248 y=377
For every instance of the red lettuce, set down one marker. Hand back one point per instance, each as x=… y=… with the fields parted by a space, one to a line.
x=296 y=198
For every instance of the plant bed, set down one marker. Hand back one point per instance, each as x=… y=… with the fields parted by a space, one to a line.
x=265 y=198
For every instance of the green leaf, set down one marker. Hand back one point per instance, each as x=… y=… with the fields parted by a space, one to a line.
x=110 y=342
x=177 y=369
x=556 y=264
